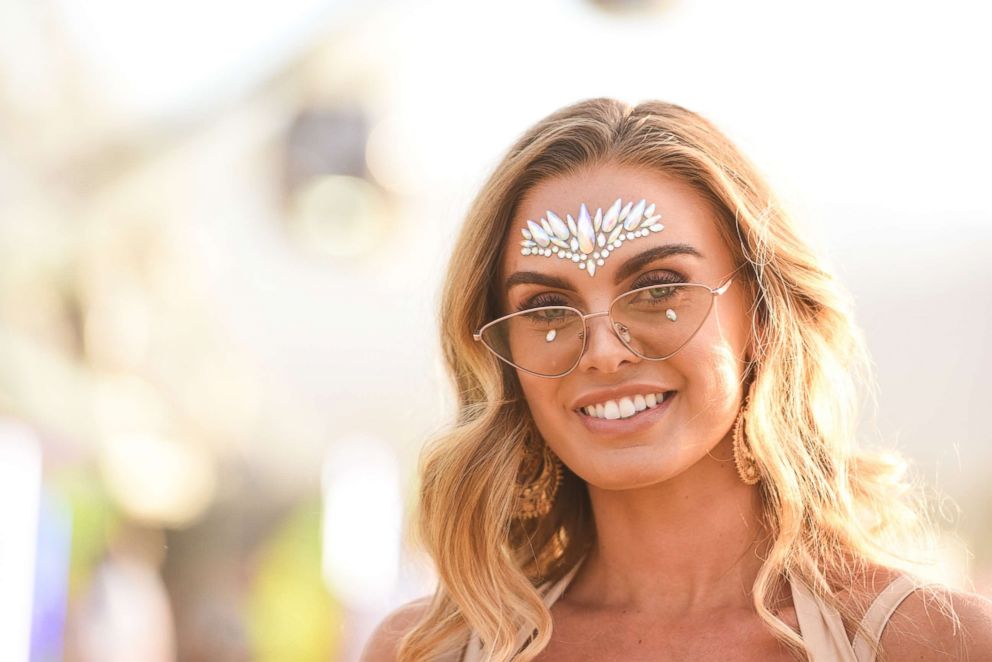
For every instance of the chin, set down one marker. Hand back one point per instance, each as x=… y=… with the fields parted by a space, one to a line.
x=624 y=468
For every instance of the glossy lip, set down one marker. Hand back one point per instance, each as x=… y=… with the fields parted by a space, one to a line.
x=639 y=421
x=617 y=392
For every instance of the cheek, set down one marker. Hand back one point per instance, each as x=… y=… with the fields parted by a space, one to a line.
x=712 y=372
x=541 y=397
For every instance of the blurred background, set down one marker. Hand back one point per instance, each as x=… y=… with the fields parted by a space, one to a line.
x=223 y=228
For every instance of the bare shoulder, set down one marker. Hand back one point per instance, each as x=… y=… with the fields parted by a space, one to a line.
x=384 y=640
x=923 y=628
x=932 y=624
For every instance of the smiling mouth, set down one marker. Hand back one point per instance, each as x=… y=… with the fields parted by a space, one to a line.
x=625 y=407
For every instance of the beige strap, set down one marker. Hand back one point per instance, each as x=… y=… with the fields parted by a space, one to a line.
x=878 y=615
x=820 y=626
x=550 y=594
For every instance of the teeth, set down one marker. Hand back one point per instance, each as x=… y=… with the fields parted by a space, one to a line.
x=625 y=407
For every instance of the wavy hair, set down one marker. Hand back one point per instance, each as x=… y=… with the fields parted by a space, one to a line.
x=833 y=507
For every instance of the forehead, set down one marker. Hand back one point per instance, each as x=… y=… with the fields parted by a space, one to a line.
x=685 y=217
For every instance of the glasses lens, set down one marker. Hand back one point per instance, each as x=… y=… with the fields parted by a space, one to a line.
x=655 y=322
x=546 y=341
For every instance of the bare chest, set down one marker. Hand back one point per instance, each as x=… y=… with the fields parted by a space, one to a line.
x=584 y=638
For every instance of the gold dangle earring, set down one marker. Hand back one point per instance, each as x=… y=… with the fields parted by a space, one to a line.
x=542 y=474
x=747 y=467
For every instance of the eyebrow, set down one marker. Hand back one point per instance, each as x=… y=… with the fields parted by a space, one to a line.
x=627 y=269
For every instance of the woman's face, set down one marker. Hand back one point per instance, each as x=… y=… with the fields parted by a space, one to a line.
x=700 y=383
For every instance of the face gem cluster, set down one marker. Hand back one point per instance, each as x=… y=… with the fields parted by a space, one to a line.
x=590 y=239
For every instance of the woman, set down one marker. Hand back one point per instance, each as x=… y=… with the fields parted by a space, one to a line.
x=654 y=456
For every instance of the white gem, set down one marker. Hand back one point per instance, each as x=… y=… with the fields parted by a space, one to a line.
x=554 y=249
x=616 y=233
x=657 y=227
x=597 y=222
x=540 y=236
x=625 y=210
x=600 y=262
x=670 y=314
x=525 y=251
x=526 y=233
x=650 y=210
x=587 y=236
x=571 y=225
x=649 y=220
x=573 y=243
x=547 y=228
x=636 y=214
x=575 y=258
x=591 y=267
x=557 y=225
x=582 y=265
x=595 y=255
x=600 y=240
x=551 y=335
x=612 y=214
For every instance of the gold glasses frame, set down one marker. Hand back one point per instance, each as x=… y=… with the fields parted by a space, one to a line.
x=714 y=292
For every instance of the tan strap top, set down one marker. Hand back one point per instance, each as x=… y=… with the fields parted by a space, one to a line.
x=879 y=613
x=820 y=625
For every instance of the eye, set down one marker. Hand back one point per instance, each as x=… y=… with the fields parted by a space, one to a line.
x=545 y=299
x=658 y=277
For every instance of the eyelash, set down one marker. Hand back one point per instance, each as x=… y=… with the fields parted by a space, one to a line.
x=648 y=279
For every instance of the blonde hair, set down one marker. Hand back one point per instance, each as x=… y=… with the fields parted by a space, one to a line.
x=833 y=508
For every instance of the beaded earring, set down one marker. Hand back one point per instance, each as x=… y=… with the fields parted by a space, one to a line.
x=542 y=471
x=747 y=467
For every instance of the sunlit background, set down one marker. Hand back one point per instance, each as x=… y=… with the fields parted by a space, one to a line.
x=223 y=227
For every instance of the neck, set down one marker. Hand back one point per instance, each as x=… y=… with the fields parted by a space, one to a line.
x=690 y=544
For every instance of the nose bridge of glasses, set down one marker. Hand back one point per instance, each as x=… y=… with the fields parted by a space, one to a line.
x=616 y=329
x=599 y=314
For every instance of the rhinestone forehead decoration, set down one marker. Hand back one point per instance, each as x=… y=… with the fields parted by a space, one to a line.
x=589 y=240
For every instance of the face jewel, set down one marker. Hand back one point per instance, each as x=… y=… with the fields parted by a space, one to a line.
x=551 y=335
x=670 y=314
x=590 y=239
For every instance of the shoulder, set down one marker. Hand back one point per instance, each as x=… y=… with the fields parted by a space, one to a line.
x=932 y=624
x=384 y=640
x=941 y=626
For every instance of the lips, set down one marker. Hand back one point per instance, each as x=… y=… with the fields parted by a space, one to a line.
x=621 y=427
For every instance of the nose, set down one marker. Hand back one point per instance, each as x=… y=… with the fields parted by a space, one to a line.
x=604 y=351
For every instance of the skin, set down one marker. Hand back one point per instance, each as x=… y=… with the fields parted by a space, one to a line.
x=677 y=528
x=679 y=540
